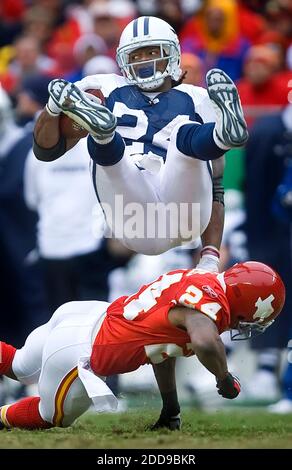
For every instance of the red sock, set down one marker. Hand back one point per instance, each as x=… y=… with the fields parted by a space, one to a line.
x=24 y=414
x=7 y=353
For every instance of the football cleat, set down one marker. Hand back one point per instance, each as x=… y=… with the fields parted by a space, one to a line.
x=84 y=109
x=230 y=129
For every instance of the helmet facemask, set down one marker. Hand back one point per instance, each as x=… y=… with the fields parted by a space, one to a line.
x=145 y=74
x=248 y=330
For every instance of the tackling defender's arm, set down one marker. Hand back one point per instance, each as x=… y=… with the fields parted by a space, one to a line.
x=205 y=339
x=212 y=236
x=208 y=347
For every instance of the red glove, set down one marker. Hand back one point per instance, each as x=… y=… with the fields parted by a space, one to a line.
x=229 y=387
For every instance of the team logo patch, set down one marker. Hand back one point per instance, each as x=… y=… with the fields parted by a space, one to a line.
x=210 y=291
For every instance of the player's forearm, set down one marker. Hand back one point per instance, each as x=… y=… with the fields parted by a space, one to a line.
x=207 y=344
x=49 y=144
x=211 y=240
x=46 y=131
x=212 y=236
x=212 y=356
x=213 y=233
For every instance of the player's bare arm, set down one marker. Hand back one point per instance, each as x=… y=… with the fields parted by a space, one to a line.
x=212 y=236
x=206 y=342
x=55 y=133
x=48 y=142
x=208 y=347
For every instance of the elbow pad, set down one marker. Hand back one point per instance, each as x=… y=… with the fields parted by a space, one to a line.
x=48 y=155
x=218 y=190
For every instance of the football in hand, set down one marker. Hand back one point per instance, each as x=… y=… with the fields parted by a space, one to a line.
x=70 y=129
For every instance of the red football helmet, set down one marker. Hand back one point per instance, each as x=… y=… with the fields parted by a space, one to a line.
x=256 y=295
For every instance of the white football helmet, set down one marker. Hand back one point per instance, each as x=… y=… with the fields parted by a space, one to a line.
x=5 y=110
x=149 y=31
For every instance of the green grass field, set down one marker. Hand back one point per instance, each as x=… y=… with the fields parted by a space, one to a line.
x=232 y=429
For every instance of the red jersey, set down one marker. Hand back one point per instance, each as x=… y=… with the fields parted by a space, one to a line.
x=136 y=329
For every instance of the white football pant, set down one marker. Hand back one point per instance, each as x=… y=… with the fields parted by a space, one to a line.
x=182 y=179
x=50 y=358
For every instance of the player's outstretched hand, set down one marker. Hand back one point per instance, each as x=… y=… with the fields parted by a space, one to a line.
x=229 y=387
x=170 y=422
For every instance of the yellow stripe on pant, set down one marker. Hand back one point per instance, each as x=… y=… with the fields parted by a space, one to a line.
x=61 y=394
x=3 y=411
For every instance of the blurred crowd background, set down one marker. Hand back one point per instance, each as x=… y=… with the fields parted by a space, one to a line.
x=52 y=248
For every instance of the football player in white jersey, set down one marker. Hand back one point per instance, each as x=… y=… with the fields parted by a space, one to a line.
x=151 y=142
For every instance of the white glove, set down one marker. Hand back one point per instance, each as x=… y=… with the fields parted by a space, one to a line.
x=52 y=108
x=88 y=83
x=209 y=263
x=210 y=258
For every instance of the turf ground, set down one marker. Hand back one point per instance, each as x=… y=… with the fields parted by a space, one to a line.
x=231 y=429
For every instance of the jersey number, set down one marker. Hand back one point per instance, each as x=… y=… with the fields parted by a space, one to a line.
x=148 y=298
x=193 y=295
x=138 y=130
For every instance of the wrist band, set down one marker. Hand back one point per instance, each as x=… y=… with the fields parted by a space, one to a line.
x=210 y=250
x=51 y=113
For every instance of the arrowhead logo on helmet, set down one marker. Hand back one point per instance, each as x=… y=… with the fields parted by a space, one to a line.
x=256 y=296
x=264 y=308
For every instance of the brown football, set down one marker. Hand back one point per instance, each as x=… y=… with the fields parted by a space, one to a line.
x=72 y=130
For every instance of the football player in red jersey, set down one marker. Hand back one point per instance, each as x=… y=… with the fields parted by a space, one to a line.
x=181 y=313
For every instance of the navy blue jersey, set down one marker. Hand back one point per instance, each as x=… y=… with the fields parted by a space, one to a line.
x=146 y=120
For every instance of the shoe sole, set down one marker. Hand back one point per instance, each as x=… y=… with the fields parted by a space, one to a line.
x=93 y=117
x=223 y=92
